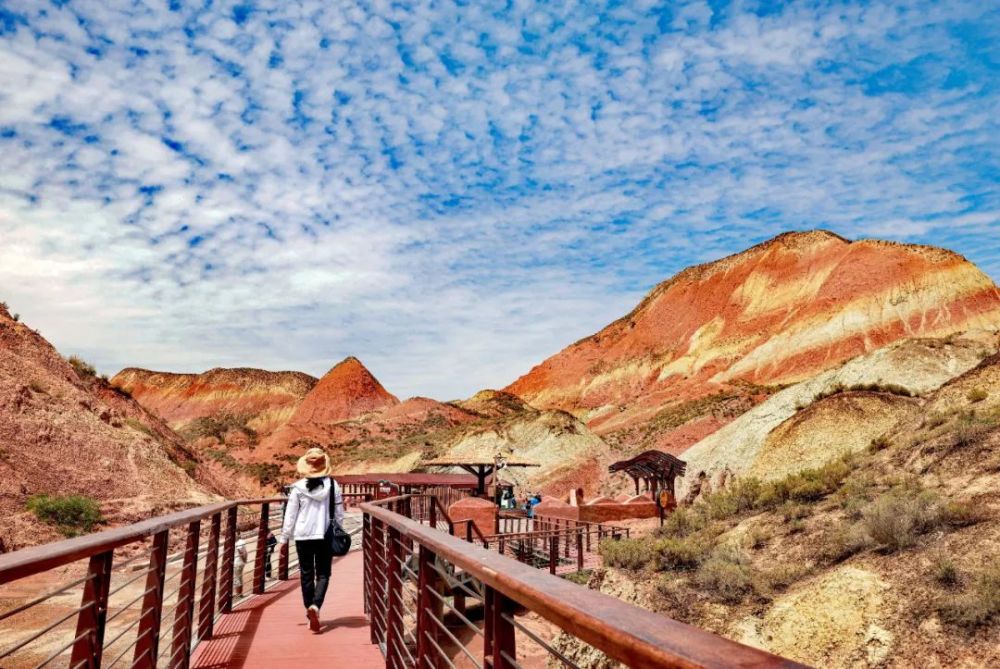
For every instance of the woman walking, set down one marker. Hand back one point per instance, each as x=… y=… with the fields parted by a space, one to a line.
x=307 y=518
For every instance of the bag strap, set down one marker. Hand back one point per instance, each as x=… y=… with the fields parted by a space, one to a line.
x=333 y=497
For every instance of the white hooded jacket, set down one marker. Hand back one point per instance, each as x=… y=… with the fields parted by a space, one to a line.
x=307 y=513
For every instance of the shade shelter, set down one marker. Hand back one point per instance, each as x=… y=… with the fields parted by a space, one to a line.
x=479 y=467
x=656 y=468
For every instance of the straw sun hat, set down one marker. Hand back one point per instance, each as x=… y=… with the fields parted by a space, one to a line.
x=314 y=464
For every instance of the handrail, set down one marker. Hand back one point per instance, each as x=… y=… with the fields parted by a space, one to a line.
x=634 y=636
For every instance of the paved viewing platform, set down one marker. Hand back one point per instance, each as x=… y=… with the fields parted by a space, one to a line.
x=271 y=630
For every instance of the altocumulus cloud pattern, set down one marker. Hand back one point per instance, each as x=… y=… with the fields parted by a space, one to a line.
x=452 y=191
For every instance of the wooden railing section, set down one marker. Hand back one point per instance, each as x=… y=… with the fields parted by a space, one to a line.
x=148 y=592
x=434 y=600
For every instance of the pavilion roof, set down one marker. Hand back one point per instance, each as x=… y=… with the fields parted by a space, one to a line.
x=463 y=461
x=651 y=464
x=411 y=478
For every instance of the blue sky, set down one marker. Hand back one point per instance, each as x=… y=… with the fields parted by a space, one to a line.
x=454 y=191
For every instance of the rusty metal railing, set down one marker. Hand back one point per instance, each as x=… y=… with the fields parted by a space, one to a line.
x=434 y=600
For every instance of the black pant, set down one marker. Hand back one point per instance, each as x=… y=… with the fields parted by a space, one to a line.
x=314 y=570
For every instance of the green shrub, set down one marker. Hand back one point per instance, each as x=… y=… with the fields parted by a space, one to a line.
x=83 y=369
x=71 y=514
x=684 y=553
x=977 y=606
x=944 y=570
x=682 y=522
x=808 y=485
x=794 y=511
x=897 y=519
x=842 y=542
x=727 y=574
x=579 y=577
x=977 y=395
x=627 y=553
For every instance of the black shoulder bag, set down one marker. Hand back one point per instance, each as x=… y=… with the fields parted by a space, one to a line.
x=339 y=540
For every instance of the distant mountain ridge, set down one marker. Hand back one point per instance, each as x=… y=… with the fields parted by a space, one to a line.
x=774 y=314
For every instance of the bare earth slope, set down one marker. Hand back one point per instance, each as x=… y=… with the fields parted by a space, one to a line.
x=778 y=313
x=262 y=400
x=884 y=559
x=63 y=434
x=770 y=440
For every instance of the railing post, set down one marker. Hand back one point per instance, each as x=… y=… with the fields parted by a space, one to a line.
x=180 y=652
x=228 y=560
x=261 y=556
x=468 y=531
x=394 y=616
x=579 y=550
x=206 y=608
x=90 y=622
x=378 y=581
x=553 y=553
x=499 y=643
x=433 y=513
x=366 y=560
x=283 y=563
x=588 y=537
x=148 y=645
x=428 y=607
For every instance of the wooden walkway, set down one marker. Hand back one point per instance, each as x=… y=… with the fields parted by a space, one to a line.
x=271 y=630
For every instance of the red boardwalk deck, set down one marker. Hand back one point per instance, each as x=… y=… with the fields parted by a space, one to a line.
x=270 y=631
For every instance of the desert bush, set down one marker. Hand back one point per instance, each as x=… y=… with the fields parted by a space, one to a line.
x=36 y=387
x=842 y=542
x=684 y=553
x=16 y=317
x=266 y=473
x=879 y=444
x=778 y=578
x=977 y=395
x=727 y=574
x=628 y=553
x=934 y=419
x=682 y=522
x=944 y=569
x=794 y=511
x=82 y=368
x=739 y=497
x=579 y=577
x=808 y=485
x=897 y=519
x=978 y=605
x=856 y=493
x=139 y=426
x=962 y=513
x=71 y=514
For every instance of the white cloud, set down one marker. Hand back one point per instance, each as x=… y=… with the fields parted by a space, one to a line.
x=453 y=195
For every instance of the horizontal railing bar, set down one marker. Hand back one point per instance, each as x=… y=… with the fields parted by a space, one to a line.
x=36 y=559
x=629 y=634
x=461 y=616
x=34 y=637
x=454 y=640
x=539 y=641
x=444 y=656
x=61 y=650
x=39 y=600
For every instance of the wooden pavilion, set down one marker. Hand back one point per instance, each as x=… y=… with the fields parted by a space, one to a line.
x=479 y=467
x=656 y=468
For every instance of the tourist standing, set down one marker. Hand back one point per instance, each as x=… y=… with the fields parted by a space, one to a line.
x=307 y=519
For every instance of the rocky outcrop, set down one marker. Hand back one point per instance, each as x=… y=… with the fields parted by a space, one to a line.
x=778 y=313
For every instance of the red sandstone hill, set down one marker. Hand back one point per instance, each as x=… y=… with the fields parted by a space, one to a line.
x=346 y=391
x=68 y=432
x=221 y=400
x=717 y=338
